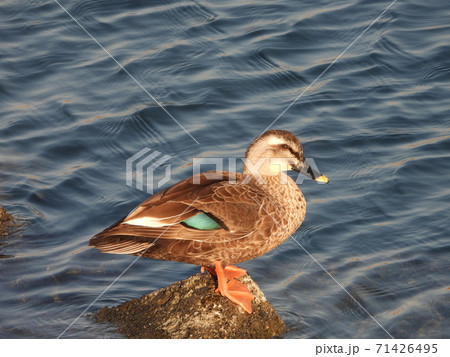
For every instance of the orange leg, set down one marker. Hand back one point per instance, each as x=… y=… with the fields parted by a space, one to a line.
x=231 y=288
x=211 y=270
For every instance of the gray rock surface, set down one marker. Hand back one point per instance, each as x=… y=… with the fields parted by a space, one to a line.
x=192 y=309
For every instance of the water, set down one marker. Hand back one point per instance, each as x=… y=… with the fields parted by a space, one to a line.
x=377 y=123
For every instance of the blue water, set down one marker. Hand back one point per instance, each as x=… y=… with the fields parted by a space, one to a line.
x=376 y=123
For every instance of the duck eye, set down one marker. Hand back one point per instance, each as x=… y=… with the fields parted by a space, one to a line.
x=285 y=146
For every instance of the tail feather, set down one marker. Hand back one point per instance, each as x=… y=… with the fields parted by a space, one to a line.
x=116 y=244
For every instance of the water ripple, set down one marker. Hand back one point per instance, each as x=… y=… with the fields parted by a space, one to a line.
x=376 y=123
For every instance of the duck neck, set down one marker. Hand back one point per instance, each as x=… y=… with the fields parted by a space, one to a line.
x=277 y=186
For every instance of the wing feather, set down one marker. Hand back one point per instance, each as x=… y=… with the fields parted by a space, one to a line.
x=160 y=216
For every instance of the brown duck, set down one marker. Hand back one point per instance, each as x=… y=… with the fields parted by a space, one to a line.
x=219 y=218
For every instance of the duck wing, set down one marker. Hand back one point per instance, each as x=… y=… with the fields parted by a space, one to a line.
x=206 y=209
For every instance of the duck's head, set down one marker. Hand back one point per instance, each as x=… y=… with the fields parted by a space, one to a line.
x=276 y=151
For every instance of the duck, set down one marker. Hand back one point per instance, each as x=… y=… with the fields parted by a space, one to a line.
x=217 y=219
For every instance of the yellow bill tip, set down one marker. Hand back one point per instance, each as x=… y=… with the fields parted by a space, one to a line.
x=322 y=179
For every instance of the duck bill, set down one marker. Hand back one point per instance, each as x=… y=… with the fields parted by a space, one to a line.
x=309 y=171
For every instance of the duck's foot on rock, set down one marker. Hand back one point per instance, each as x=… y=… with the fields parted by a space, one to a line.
x=229 y=287
x=192 y=309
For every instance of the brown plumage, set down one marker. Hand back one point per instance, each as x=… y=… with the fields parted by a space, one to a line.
x=254 y=211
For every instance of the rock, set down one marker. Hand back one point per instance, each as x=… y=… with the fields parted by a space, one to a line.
x=192 y=309
x=6 y=222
